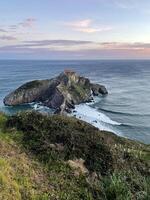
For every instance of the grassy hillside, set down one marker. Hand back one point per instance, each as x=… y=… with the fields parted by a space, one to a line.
x=61 y=158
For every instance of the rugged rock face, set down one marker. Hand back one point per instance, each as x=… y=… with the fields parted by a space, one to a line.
x=98 y=89
x=60 y=93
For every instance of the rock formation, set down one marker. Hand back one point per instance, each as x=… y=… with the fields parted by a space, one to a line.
x=60 y=93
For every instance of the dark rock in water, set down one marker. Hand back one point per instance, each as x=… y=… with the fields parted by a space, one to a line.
x=61 y=93
x=91 y=100
x=68 y=110
x=34 y=91
x=98 y=89
x=95 y=121
x=57 y=111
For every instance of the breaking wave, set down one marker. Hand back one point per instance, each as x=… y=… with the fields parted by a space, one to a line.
x=98 y=119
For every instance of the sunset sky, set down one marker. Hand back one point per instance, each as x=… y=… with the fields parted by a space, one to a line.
x=75 y=29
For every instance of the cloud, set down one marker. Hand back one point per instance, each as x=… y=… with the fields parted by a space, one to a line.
x=82 y=23
x=8 y=38
x=75 y=49
x=3 y=31
x=47 y=45
x=56 y=43
x=119 y=45
x=28 y=23
x=86 y=26
x=94 y=30
x=75 y=43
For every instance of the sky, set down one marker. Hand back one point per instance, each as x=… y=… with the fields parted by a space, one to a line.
x=75 y=29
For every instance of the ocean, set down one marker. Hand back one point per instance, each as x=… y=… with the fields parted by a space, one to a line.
x=124 y=111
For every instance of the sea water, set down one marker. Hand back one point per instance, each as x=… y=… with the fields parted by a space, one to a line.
x=124 y=111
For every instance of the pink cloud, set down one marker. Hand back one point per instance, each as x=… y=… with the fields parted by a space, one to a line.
x=100 y=50
x=82 y=23
x=120 y=45
x=86 y=26
x=93 y=30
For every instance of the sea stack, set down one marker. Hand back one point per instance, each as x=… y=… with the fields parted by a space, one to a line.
x=61 y=93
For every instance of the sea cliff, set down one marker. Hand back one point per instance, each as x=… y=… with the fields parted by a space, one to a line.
x=61 y=93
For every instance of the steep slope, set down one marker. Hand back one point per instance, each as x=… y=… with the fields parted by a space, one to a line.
x=21 y=176
x=70 y=159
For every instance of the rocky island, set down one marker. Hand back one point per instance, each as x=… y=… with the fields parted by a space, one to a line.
x=61 y=93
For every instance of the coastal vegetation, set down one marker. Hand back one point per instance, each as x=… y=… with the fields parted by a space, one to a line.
x=58 y=157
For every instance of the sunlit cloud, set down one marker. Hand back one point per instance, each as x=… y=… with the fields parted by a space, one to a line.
x=128 y=46
x=77 y=43
x=93 y=30
x=86 y=49
x=80 y=24
x=86 y=26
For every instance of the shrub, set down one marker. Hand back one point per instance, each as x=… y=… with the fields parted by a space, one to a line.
x=77 y=139
x=116 y=188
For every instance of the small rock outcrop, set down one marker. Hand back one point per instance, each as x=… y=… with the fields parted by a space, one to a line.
x=98 y=89
x=61 y=93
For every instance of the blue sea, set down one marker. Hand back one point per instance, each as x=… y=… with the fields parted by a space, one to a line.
x=125 y=110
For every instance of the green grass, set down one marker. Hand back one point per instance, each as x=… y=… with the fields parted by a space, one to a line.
x=31 y=167
x=117 y=188
x=19 y=173
x=41 y=131
x=79 y=91
x=127 y=185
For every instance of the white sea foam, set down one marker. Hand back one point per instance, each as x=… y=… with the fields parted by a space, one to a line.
x=96 y=99
x=86 y=113
x=39 y=107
